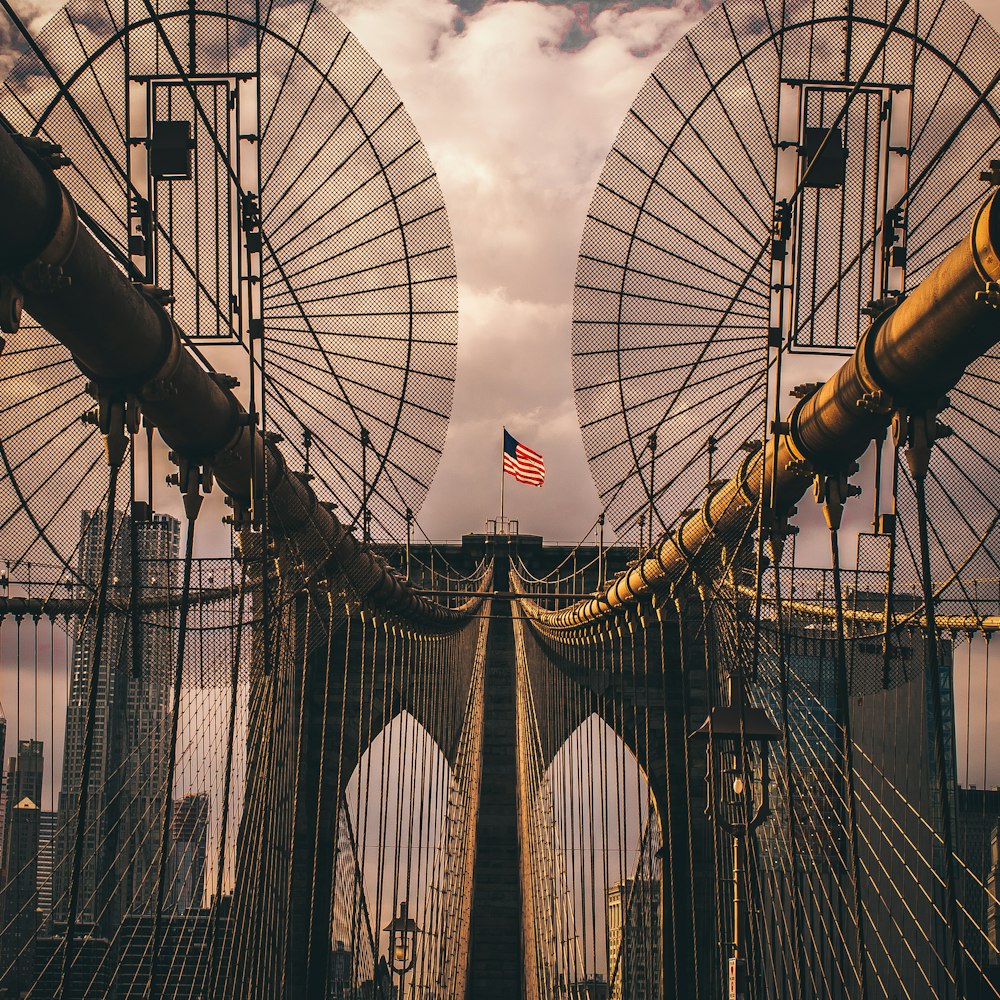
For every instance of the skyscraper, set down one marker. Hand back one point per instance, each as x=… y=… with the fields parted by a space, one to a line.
x=128 y=778
x=20 y=898
x=24 y=780
x=46 y=861
x=633 y=939
x=977 y=813
x=189 y=843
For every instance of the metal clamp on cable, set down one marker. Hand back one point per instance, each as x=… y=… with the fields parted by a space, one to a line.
x=917 y=432
x=990 y=295
x=117 y=417
x=240 y=517
x=800 y=464
x=159 y=386
x=688 y=557
x=984 y=252
x=876 y=398
x=194 y=480
x=778 y=529
x=833 y=492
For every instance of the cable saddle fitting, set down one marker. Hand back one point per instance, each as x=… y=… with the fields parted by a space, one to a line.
x=917 y=432
x=194 y=480
x=833 y=491
x=116 y=416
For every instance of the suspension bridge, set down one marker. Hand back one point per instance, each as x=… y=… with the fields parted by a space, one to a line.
x=734 y=743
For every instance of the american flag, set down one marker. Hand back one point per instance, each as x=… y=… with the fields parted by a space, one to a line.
x=519 y=461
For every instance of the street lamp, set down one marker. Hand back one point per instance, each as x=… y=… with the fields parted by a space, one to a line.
x=738 y=799
x=403 y=933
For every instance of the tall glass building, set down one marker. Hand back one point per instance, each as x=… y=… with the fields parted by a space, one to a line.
x=128 y=774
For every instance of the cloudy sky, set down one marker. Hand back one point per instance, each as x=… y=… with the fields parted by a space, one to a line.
x=518 y=103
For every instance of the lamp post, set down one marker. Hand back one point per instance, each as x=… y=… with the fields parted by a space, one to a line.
x=403 y=933
x=738 y=798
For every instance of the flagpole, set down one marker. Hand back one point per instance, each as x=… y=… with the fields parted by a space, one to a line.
x=503 y=477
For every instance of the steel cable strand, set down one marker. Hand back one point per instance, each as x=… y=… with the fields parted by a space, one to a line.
x=474 y=794
x=829 y=934
x=807 y=743
x=666 y=816
x=255 y=960
x=367 y=638
x=140 y=822
x=830 y=904
x=685 y=692
x=789 y=780
x=341 y=817
x=634 y=626
x=365 y=754
x=589 y=698
x=820 y=810
x=248 y=917
x=847 y=751
x=341 y=780
x=202 y=720
x=809 y=708
x=523 y=744
x=259 y=706
x=569 y=874
x=447 y=785
x=576 y=829
x=388 y=732
x=13 y=875
x=451 y=791
x=437 y=669
x=784 y=933
x=535 y=806
x=322 y=602
x=933 y=675
x=66 y=987
x=404 y=756
x=653 y=947
x=235 y=655
x=415 y=824
x=302 y=629
x=264 y=711
x=759 y=928
x=441 y=791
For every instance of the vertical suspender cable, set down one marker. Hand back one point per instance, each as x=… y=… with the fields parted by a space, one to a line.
x=793 y=854
x=136 y=583
x=192 y=504
x=66 y=992
x=234 y=680
x=843 y=716
x=932 y=674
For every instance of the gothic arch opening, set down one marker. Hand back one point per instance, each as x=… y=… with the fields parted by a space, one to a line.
x=596 y=837
x=400 y=812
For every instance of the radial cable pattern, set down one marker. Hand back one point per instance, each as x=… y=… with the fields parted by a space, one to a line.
x=787 y=171
x=253 y=163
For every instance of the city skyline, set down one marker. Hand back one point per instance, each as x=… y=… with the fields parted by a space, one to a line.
x=730 y=753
